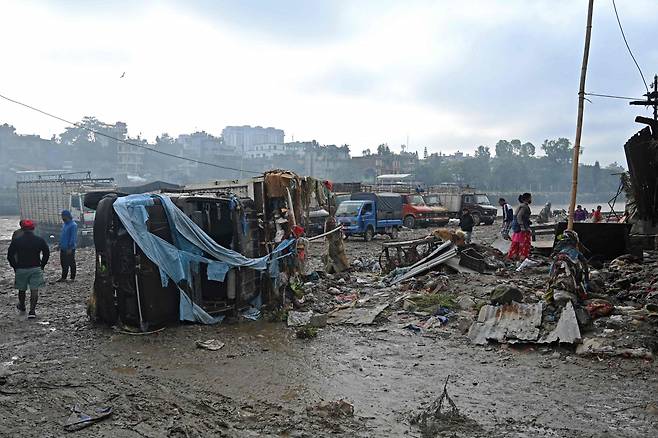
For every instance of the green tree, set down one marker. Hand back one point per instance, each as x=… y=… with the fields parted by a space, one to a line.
x=558 y=151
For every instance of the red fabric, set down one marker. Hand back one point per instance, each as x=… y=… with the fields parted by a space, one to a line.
x=597 y=216
x=27 y=225
x=328 y=184
x=297 y=230
x=521 y=245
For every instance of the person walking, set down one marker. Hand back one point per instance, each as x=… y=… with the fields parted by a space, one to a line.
x=68 y=240
x=466 y=223
x=597 y=216
x=28 y=255
x=521 y=237
x=508 y=215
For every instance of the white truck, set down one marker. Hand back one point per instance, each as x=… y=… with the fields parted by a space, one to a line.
x=42 y=195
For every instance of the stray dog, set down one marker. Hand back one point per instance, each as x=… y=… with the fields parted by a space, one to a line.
x=455 y=236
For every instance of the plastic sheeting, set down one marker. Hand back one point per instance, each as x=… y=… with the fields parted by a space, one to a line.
x=177 y=261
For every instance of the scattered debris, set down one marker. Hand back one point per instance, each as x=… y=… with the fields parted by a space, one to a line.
x=567 y=330
x=332 y=409
x=79 y=419
x=210 y=344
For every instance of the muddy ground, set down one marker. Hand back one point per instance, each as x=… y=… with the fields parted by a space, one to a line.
x=265 y=381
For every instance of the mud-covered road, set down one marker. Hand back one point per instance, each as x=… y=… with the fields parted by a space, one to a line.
x=264 y=380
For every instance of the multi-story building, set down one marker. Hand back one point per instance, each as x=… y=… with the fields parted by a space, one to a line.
x=244 y=137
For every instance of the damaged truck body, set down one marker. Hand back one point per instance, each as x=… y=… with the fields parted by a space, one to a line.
x=197 y=255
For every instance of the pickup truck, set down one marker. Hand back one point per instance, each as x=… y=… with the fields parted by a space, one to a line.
x=367 y=214
x=416 y=212
x=455 y=200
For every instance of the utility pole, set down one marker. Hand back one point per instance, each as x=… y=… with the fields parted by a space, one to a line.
x=579 y=121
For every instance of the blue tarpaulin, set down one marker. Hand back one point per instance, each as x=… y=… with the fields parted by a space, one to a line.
x=177 y=261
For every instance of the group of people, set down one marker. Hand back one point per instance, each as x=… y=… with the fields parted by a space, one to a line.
x=581 y=214
x=28 y=255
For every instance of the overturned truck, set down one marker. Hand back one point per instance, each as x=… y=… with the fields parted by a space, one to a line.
x=161 y=259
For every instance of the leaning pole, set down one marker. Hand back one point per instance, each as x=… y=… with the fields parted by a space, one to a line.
x=579 y=121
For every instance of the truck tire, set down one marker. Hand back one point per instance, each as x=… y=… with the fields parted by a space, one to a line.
x=410 y=222
x=369 y=234
x=477 y=220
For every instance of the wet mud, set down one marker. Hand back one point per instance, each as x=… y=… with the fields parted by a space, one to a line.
x=266 y=382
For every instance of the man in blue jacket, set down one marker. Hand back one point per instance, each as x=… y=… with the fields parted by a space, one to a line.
x=68 y=239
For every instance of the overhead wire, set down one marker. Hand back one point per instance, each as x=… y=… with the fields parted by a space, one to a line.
x=137 y=145
x=613 y=96
x=614 y=5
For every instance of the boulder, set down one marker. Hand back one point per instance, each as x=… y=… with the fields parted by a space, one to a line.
x=504 y=294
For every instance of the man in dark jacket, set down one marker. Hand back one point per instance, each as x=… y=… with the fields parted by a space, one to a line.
x=68 y=240
x=466 y=224
x=28 y=255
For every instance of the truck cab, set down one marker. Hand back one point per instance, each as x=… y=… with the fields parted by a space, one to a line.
x=480 y=207
x=416 y=212
x=367 y=214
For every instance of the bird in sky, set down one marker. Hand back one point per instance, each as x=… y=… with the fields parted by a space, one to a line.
x=123 y=75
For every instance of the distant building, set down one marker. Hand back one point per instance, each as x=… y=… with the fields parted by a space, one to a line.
x=244 y=137
x=204 y=147
x=368 y=167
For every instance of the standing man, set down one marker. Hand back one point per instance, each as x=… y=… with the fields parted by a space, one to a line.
x=68 y=240
x=597 y=216
x=466 y=223
x=508 y=216
x=28 y=255
x=580 y=215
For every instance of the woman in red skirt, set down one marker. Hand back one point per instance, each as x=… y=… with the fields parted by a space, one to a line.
x=521 y=237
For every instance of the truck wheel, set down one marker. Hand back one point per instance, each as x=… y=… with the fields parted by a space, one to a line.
x=410 y=222
x=476 y=218
x=369 y=234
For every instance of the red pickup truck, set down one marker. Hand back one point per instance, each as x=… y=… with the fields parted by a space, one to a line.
x=415 y=212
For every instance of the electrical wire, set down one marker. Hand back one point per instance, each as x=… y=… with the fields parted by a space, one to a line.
x=137 y=145
x=612 y=96
x=628 y=47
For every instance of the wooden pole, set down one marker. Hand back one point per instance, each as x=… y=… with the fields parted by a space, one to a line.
x=579 y=122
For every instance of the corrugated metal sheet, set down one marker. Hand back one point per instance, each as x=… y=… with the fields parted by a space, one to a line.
x=567 y=330
x=513 y=322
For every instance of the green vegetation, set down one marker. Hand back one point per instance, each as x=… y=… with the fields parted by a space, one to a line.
x=429 y=303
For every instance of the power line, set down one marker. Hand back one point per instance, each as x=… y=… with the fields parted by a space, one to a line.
x=137 y=145
x=611 y=96
x=628 y=47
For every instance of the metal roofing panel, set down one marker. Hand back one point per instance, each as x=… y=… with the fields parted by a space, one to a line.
x=508 y=323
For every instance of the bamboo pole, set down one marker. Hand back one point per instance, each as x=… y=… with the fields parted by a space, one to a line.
x=579 y=121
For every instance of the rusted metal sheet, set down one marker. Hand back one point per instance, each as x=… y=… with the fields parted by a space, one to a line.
x=567 y=330
x=509 y=323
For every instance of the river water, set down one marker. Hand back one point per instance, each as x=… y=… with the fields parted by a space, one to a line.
x=8 y=224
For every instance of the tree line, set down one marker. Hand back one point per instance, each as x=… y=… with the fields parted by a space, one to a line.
x=515 y=167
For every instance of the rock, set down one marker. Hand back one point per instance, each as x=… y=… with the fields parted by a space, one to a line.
x=505 y=294
x=334 y=291
x=298 y=319
x=465 y=302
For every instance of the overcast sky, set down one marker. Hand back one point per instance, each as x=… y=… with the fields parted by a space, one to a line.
x=449 y=75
